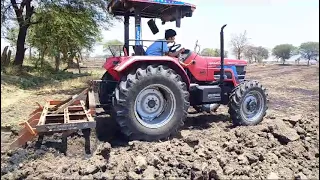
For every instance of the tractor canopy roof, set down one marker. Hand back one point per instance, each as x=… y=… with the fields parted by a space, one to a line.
x=166 y=10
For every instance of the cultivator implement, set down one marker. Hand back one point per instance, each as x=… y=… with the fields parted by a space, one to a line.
x=60 y=117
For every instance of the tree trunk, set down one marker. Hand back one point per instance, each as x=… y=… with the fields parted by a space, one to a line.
x=9 y=58
x=57 y=62
x=4 y=56
x=308 y=62
x=37 y=62
x=42 y=59
x=18 y=61
x=71 y=64
x=30 y=55
x=239 y=55
x=78 y=63
x=70 y=61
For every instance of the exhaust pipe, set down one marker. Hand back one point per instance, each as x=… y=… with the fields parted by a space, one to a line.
x=222 y=56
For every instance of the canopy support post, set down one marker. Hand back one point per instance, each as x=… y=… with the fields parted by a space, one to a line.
x=137 y=26
x=126 y=31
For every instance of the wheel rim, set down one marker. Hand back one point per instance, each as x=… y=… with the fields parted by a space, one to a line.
x=154 y=106
x=252 y=106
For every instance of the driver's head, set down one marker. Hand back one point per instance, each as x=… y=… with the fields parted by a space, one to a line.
x=170 y=35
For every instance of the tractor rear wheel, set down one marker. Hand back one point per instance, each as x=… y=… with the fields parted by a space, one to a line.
x=248 y=103
x=106 y=90
x=151 y=103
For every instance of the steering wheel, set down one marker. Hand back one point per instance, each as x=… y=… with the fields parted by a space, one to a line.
x=172 y=49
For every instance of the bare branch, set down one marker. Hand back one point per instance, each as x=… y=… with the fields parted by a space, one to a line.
x=29 y=12
x=18 y=12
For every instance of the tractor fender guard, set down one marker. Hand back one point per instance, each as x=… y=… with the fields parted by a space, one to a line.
x=136 y=61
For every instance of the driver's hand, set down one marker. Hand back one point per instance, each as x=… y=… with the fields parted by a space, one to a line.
x=181 y=50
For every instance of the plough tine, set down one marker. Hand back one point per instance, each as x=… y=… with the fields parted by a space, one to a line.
x=32 y=123
x=39 y=109
x=28 y=135
x=35 y=116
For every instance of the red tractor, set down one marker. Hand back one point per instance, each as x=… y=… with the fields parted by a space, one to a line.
x=149 y=96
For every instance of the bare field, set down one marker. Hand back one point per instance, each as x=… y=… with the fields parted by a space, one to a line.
x=285 y=145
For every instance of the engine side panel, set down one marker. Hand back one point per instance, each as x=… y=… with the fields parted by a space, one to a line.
x=199 y=69
x=205 y=69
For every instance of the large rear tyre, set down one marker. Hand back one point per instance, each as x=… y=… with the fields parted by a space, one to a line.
x=248 y=103
x=106 y=90
x=151 y=103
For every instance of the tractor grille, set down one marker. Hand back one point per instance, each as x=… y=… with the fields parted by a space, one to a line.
x=241 y=71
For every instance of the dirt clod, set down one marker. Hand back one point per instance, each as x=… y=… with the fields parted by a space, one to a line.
x=104 y=149
x=141 y=163
x=285 y=145
x=273 y=176
x=301 y=176
x=284 y=133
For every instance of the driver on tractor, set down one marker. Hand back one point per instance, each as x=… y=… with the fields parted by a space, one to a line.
x=159 y=48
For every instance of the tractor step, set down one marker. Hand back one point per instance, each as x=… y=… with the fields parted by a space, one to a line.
x=63 y=117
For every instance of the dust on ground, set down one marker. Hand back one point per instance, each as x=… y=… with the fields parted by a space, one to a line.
x=285 y=145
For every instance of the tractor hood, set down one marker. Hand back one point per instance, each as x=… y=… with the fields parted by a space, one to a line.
x=166 y=10
x=214 y=61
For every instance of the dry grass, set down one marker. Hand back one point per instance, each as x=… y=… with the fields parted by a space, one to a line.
x=17 y=102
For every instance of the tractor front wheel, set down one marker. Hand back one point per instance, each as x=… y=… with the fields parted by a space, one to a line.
x=248 y=103
x=151 y=103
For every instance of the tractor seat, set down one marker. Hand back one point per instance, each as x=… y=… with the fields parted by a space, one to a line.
x=139 y=51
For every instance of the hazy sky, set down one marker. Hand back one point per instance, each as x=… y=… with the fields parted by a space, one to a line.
x=268 y=23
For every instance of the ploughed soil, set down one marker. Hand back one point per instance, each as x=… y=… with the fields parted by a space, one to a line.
x=284 y=145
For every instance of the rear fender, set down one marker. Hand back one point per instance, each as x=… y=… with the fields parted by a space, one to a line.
x=109 y=66
x=138 y=61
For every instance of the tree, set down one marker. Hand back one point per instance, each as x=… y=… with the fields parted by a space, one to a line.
x=11 y=36
x=212 y=52
x=261 y=53
x=113 y=47
x=249 y=53
x=283 y=51
x=238 y=43
x=255 y=53
x=208 y=52
x=66 y=30
x=23 y=12
x=309 y=50
x=25 y=9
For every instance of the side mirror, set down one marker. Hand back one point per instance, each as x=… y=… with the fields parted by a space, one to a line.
x=153 y=27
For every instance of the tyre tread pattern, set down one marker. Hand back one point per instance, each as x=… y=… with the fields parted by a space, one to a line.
x=124 y=88
x=235 y=101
